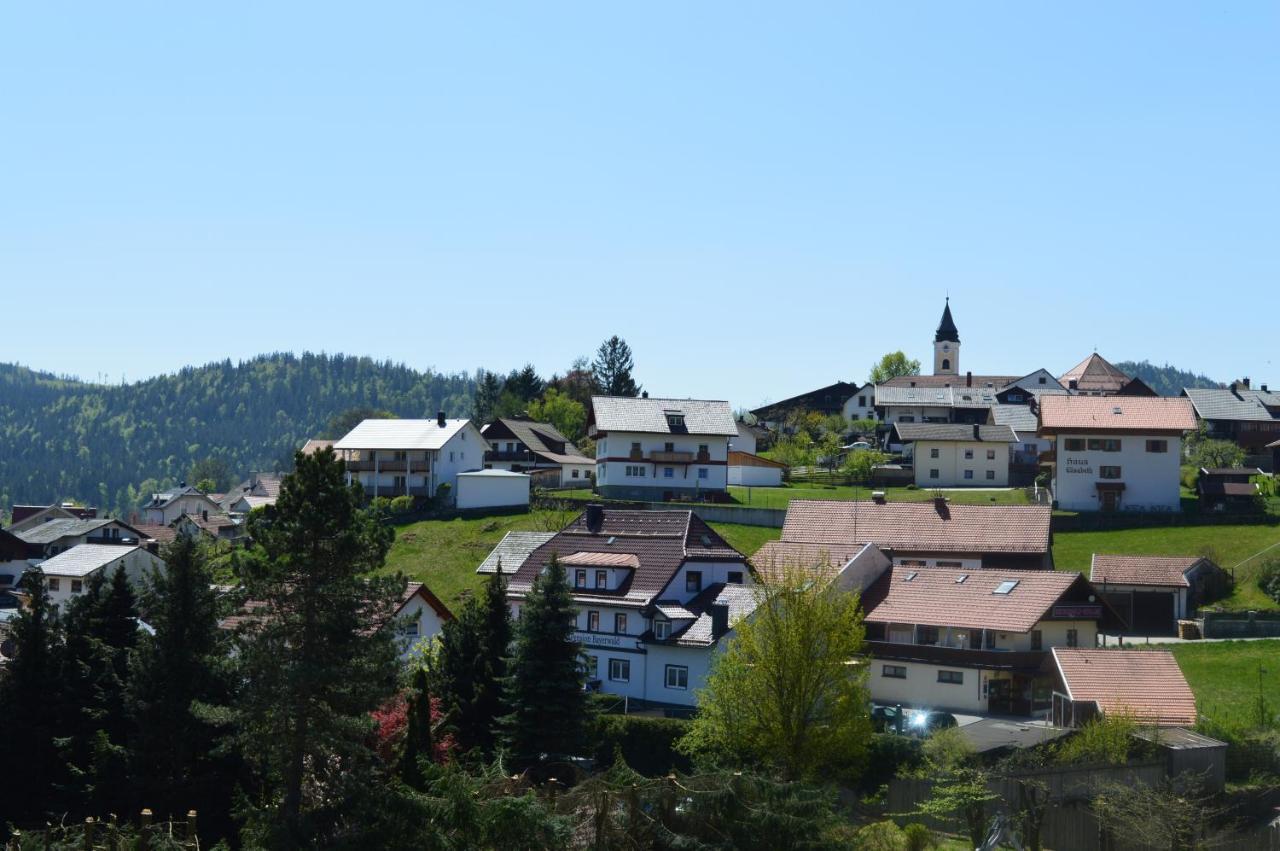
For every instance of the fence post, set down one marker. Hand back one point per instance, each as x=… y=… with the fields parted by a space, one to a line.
x=144 y=831
x=88 y=833
x=192 y=839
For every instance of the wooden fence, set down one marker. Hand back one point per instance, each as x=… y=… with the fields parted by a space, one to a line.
x=95 y=835
x=1068 y=824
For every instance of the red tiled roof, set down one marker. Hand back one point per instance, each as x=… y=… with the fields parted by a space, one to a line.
x=775 y=558
x=1145 y=684
x=1116 y=413
x=1142 y=570
x=932 y=596
x=921 y=526
x=601 y=560
x=660 y=541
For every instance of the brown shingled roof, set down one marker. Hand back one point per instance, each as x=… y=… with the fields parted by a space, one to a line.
x=921 y=526
x=1094 y=374
x=1143 y=414
x=157 y=532
x=660 y=541
x=1145 y=684
x=1142 y=570
x=932 y=596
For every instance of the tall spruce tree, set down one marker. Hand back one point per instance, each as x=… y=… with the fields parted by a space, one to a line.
x=313 y=661
x=30 y=690
x=97 y=725
x=488 y=390
x=545 y=689
x=473 y=667
x=419 y=743
x=612 y=368
x=177 y=676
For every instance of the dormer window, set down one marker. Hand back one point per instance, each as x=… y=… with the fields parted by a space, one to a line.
x=675 y=421
x=579 y=579
x=661 y=629
x=602 y=579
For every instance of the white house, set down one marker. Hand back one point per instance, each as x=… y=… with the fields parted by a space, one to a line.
x=523 y=445
x=65 y=574
x=410 y=457
x=660 y=449
x=167 y=506
x=1116 y=453
x=492 y=489
x=56 y=536
x=949 y=455
x=962 y=639
x=656 y=592
x=745 y=441
x=420 y=615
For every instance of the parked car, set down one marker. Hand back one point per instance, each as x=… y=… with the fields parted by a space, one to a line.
x=910 y=722
x=857 y=446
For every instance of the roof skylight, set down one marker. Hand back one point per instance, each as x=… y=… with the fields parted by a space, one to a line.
x=1006 y=586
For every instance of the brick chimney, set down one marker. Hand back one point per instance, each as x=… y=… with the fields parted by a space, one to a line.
x=968 y=378
x=595 y=517
x=440 y=421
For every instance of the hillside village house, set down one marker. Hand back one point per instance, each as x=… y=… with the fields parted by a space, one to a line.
x=521 y=445
x=753 y=471
x=1028 y=445
x=1116 y=453
x=1151 y=593
x=964 y=639
x=656 y=592
x=259 y=490
x=846 y=399
x=66 y=574
x=949 y=455
x=217 y=527
x=1246 y=416
x=16 y=555
x=57 y=536
x=391 y=458
x=1096 y=376
x=167 y=506
x=934 y=533
x=1220 y=488
x=23 y=517
x=661 y=449
x=420 y=615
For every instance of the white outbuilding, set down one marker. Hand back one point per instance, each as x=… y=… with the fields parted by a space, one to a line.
x=492 y=489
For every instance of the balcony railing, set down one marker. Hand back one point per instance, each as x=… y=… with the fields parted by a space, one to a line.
x=663 y=457
x=390 y=465
x=999 y=660
x=522 y=456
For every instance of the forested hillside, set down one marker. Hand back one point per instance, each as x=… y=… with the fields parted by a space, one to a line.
x=1165 y=380
x=107 y=444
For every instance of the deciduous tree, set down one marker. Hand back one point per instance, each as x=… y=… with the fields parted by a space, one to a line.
x=789 y=691
x=568 y=416
x=893 y=365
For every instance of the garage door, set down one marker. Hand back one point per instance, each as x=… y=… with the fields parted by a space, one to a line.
x=1153 y=613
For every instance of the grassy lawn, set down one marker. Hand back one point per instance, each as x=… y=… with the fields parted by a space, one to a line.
x=781 y=497
x=1227 y=545
x=444 y=554
x=1224 y=675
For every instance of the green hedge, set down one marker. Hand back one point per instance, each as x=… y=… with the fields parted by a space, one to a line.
x=647 y=744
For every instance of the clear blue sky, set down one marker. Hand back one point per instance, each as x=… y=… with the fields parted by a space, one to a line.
x=760 y=198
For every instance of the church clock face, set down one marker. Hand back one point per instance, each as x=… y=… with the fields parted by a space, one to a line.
x=946 y=347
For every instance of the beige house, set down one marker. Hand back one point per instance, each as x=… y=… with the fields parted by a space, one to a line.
x=957 y=455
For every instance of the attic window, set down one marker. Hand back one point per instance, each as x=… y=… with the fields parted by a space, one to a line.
x=611 y=540
x=961 y=578
x=675 y=420
x=910 y=576
x=1006 y=586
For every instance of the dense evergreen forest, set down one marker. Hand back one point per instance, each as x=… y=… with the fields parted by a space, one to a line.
x=1165 y=380
x=110 y=444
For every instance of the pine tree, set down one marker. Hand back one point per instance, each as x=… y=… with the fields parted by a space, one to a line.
x=545 y=688
x=612 y=368
x=488 y=389
x=495 y=645
x=418 y=741
x=29 y=691
x=176 y=673
x=97 y=724
x=312 y=659
x=459 y=671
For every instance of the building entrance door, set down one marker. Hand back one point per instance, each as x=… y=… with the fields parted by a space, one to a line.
x=1110 y=500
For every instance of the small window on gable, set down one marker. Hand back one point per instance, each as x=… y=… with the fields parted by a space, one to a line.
x=1006 y=586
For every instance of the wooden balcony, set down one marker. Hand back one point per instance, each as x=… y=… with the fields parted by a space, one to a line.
x=658 y=456
x=522 y=457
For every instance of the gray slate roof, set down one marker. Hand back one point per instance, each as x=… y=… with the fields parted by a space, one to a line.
x=63 y=527
x=701 y=416
x=1214 y=404
x=513 y=549
x=84 y=559
x=741 y=600
x=957 y=432
x=1017 y=417
x=936 y=397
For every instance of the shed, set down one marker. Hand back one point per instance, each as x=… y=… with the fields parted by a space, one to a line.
x=492 y=489
x=750 y=470
x=1153 y=592
x=1188 y=751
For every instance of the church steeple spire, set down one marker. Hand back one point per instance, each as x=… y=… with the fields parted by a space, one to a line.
x=947 y=327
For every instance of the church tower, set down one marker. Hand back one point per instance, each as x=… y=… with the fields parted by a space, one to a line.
x=946 y=345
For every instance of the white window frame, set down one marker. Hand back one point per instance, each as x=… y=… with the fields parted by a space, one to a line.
x=622 y=672
x=681 y=672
